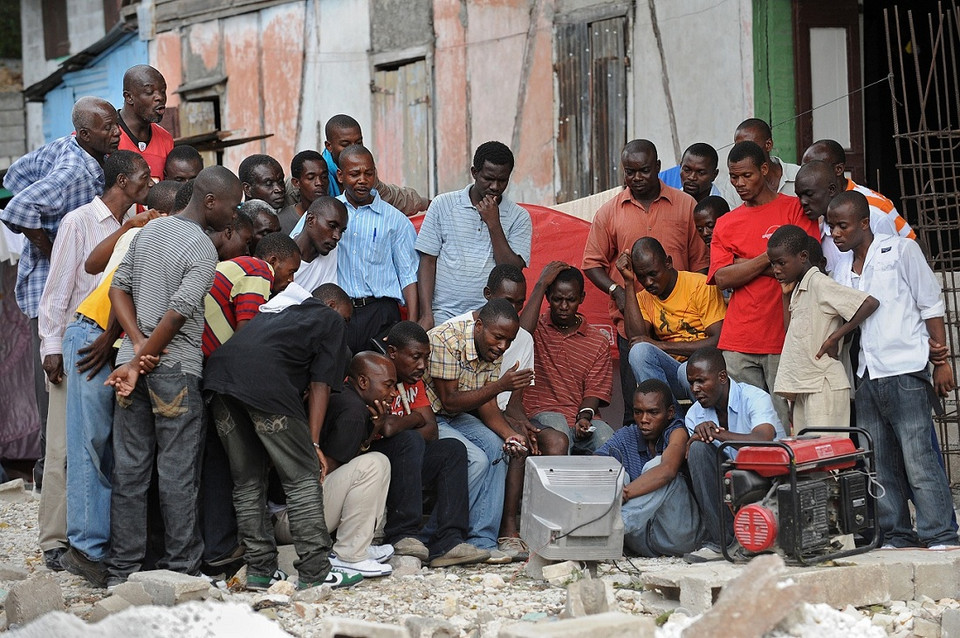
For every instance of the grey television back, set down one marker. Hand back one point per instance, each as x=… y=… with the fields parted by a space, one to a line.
x=571 y=507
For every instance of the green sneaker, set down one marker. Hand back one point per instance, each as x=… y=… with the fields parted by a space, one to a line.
x=263 y=583
x=337 y=579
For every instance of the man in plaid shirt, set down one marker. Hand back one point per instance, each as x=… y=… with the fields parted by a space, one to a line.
x=47 y=184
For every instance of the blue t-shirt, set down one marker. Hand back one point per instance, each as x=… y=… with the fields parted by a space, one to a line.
x=629 y=447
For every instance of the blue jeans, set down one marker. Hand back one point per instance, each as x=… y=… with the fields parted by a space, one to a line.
x=163 y=419
x=486 y=475
x=586 y=446
x=896 y=411
x=650 y=362
x=89 y=426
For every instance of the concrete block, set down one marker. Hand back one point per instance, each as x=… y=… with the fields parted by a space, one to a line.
x=422 y=627
x=950 y=623
x=857 y=585
x=936 y=580
x=609 y=625
x=107 y=606
x=350 y=628
x=11 y=100
x=694 y=587
x=562 y=573
x=588 y=597
x=13 y=148
x=134 y=593
x=405 y=565
x=12 y=491
x=13 y=118
x=170 y=588
x=9 y=571
x=29 y=599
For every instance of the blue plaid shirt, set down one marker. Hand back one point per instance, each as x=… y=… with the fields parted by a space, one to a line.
x=47 y=184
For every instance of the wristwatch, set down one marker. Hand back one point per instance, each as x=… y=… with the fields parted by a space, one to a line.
x=612 y=287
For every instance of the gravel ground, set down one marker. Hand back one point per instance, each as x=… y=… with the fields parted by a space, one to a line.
x=478 y=600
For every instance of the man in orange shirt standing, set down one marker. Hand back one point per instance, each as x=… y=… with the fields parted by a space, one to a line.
x=645 y=208
x=144 y=103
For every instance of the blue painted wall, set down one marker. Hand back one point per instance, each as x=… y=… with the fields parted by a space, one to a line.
x=102 y=78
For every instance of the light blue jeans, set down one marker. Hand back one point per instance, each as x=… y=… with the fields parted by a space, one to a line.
x=486 y=475
x=896 y=411
x=587 y=446
x=89 y=426
x=650 y=362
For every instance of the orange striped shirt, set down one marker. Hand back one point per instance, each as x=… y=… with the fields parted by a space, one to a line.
x=885 y=206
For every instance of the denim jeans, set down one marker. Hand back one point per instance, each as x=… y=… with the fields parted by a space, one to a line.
x=414 y=463
x=702 y=462
x=253 y=440
x=650 y=362
x=586 y=446
x=486 y=475
x=89 y=446
x=896 y=411
x=162 y=418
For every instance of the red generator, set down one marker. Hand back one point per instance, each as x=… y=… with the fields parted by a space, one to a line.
x=805 y=497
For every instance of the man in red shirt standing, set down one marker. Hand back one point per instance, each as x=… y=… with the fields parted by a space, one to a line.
x=144 y=103
x=753 y=333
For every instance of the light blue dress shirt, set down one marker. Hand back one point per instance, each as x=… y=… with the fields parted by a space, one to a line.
x=747 y=407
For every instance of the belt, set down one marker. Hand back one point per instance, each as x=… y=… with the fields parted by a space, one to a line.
x=360 y=302
x=85 y=319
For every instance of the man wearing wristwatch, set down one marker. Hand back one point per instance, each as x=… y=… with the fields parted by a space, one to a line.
x=645 y=208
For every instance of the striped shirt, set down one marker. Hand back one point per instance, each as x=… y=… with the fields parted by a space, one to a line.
x=568 y=368
x=47 y=184
x=68 y=283
x=376 y=257
x=170 y=266
x=453 y=232
x=454 y=356
x=240 y=287
x=881 y=204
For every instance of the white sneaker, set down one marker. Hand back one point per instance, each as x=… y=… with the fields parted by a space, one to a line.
x=368 y=568
x=943 y=547
x=380 y=553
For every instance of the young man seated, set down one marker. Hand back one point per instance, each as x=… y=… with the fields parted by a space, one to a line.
x=419 y=458
x=572 y=363
x=660 y=515
x=258 y=379
x=668 y=315
x=725 y=411
x=463 y=380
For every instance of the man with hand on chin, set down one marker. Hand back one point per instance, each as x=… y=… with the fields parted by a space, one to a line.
x=725 y=411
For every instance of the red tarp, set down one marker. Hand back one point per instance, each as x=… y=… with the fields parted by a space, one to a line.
x=558 y=236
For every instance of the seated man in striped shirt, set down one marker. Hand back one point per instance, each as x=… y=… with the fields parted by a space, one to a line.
x=157 y=294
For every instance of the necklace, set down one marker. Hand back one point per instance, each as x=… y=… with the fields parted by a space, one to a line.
x=574 y=324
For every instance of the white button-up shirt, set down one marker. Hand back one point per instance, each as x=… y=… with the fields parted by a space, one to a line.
x=894 y=339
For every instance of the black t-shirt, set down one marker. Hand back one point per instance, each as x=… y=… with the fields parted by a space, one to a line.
x=271 y=362
x=346 y=425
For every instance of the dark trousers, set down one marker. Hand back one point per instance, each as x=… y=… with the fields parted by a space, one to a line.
x=253 y=440
x=40 y=389
x=162 y=416
x=370 y=320
x=703 y=462
x=218 y=520
x=628 y=383
x=415 y=463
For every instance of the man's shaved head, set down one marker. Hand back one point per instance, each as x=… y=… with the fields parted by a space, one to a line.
x=828 y=151
x=365 y=363
x=139 y=75
x=647 y=247
x=818 y=171
x=215 y=180
x=339 y=122
x=86 y=110
x=709 y=357
x=356 y=150
x=639 y=146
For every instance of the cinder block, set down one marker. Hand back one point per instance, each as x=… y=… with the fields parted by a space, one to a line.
x=133 y=593
x=609 y=625
x=170 y=588
x=10 y=100
x=12 y=117
x=29 y=599
x=350 y=628
x=107 y=606
x=857 y=585
x=936 y=580
x=14 y=148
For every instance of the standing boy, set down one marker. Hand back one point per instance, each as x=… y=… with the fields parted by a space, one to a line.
x=894 y=397
x=157 y=295
x=818 y=313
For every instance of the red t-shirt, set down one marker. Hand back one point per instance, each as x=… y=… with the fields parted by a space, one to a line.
x=416 y=397
x=754 y=321
x=156 y=151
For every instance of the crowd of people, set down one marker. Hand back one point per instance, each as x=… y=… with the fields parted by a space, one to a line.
x=231 y=361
